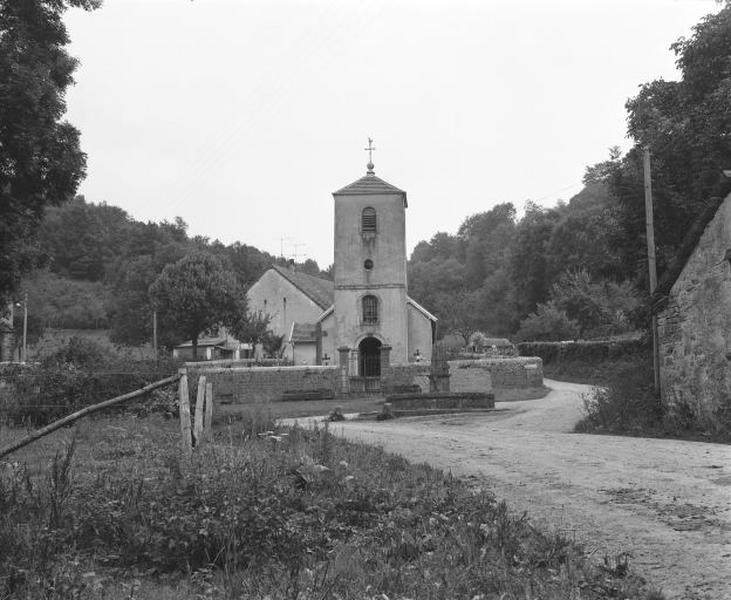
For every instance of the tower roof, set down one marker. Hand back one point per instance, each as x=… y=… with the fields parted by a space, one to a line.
x=370 y=185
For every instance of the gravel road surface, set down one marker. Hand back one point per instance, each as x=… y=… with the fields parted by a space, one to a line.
x=665 y=502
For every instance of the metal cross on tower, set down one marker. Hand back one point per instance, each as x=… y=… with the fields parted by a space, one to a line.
x=370 y=150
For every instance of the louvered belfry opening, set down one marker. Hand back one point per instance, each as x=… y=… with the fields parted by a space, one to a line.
x=370 y=309
x=368 y=219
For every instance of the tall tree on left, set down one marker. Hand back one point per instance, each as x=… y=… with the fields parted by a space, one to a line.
x=41 y=162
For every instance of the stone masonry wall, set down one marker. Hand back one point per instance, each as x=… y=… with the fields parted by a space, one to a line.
x=248 y=385
x=474 y=375
x=495 y=373
x=694 y=330
x=236 y=383
x=400 y=376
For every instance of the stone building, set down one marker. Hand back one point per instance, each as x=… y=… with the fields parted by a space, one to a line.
x=693 y=308
x=294 y=302
x=364 y=317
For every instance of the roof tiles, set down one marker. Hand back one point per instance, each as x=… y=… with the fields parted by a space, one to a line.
x=369 y=185
x=320 y=291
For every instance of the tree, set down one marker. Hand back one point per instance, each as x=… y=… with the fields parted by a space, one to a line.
x=686 y=125
x=197 y=294
x=549 y=323
x=529 y=257
x=41 y=163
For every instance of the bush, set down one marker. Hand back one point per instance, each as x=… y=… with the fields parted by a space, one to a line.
x=283 y=513
x=627 y=404
x=80 y=373
x=548 y=323
x=592 y=351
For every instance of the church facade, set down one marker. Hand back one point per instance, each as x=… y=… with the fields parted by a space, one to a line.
x=370 y=320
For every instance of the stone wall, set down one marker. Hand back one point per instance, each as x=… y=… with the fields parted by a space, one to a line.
x=401 y=376
x=495 y=373
x=247 y=385
x=237 y=383
x=694 y=330
x=482 y=375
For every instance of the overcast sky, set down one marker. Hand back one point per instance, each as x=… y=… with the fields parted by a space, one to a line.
x=243 y=117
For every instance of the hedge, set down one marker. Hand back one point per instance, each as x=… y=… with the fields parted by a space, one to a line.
x=588 y=350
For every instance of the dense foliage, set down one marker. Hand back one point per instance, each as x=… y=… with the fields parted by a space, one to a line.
x=504 y=275
x=553 y=274
x=77 y=374
x=197 y=294
x=41 y=163
x=276 y=514
x=101 y=264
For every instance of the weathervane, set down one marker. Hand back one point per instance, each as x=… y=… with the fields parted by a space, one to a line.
x=370 y=150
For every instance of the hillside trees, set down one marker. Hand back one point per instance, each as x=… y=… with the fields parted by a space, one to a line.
x=41 y=162
x=196 y=294
x=499 y=270
x=686 y=125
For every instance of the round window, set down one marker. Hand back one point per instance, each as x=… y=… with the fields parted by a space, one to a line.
x=368 y=264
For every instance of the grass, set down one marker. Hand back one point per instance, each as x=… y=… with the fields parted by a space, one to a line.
x=104 y=511
x=624 y=402
x=300 y=408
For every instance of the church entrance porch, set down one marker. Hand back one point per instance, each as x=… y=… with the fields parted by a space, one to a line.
x=369 y=357
x=365 y=367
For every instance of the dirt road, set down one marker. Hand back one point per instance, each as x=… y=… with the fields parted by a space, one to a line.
x=666 y=502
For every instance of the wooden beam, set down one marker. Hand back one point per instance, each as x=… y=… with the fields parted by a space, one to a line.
x=84 y=412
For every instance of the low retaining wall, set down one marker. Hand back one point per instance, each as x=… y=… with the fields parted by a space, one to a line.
x=495 y=373
x=238 y=383
x=246 y=385
x=401 y=377
x=441 y=401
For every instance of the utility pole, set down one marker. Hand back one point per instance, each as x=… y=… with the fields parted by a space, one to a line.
x=154 y=332
x=25 y=328
x=650 y=234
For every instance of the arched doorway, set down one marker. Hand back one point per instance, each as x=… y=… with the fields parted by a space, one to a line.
x=369 y=357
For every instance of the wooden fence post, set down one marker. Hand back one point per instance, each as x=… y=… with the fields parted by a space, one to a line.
x=200 y=398
x=185 y=440
x=208 y=425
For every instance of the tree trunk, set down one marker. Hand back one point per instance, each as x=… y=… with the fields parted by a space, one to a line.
x=195 y=347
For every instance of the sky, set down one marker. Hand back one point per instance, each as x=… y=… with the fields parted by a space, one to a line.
x=243 y=117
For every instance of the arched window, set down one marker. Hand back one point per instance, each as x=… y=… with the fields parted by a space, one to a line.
x=370 y=309
x=368 y=219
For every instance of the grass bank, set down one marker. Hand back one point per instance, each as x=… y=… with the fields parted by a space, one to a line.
x=103 y=511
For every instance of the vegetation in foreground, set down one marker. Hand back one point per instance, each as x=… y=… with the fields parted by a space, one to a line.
x=624 y=402
x=275 y=513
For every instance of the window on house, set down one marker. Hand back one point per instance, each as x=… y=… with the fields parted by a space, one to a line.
x=368 y=219
x=370 y=309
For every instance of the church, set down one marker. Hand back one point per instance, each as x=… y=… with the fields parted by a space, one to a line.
x=364 y=316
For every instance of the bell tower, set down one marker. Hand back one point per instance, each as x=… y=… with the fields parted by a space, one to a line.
x=370 y=271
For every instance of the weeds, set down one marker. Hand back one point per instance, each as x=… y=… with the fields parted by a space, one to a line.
x=273 y=512
x=628 y=404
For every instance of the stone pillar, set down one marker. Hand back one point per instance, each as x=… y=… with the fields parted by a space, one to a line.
x=385 y=366
x=344 y=363
x=385 y=359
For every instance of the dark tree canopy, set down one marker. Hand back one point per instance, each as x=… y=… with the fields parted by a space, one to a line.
x=197 y=294
x=41 y=163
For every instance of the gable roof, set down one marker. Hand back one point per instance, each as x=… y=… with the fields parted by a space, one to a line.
x=368 y=186
x=659 y=298
x=303 y=333
x=421 y=309
x=320 y=291
x=220 y=341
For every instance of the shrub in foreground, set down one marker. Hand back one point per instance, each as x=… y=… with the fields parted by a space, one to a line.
x=284 y=514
